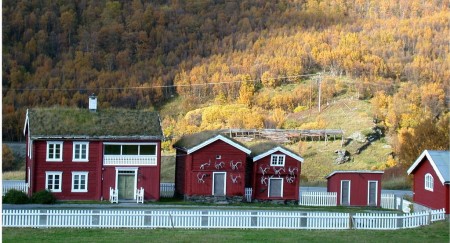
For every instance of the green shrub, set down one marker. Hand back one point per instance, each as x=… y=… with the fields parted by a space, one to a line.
x=43 y=197
x=14 y=196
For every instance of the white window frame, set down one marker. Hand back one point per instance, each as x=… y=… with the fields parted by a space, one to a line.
x=80 y=173
x=53 y=173
x=53 y=157
x=282 y=187
x=80 y=144
x=429 y=182
x=275 y=159
x=368 y=192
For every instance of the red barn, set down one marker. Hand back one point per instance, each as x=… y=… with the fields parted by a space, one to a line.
x=276 y=173
x=80 y=154
x=431 y=184
x=356 y=188
x=210 y=168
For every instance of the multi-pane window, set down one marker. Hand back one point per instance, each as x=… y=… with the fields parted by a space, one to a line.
x=79 y=181
x=53 y=181
x=429 y=182
x=130 y=149
x=80 y=151
x=54 y=151
x=277 y=160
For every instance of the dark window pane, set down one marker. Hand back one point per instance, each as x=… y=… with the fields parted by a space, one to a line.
x=112 y=149
x=129 y=149
x=148 y=149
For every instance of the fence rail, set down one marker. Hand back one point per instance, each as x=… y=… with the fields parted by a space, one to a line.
x=14 y=184
x=318 y=199
x=198 y=219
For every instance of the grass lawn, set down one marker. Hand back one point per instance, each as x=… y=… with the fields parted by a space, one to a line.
x=436 y=232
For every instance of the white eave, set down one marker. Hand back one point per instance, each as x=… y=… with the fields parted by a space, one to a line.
x=433 y=164
x=355 y=172
x=26 y=125
x=278 y=149
x=222 y=138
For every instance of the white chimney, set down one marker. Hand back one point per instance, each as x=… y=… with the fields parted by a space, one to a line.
x=93 y=103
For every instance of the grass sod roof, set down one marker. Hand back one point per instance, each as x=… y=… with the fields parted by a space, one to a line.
x=191 y=140
x=262 y=147
x=75 y=122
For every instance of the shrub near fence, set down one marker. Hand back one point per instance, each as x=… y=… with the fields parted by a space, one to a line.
x=198 y=219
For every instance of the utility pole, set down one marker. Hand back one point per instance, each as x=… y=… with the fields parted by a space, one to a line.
x=319 y=82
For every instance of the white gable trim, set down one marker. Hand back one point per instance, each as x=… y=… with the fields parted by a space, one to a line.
x=278 y=149
x=421 y=157
x=222 y=138
x=27 y=124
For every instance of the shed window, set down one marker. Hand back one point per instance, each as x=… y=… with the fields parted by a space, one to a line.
x=277 y=160
x=429 y=182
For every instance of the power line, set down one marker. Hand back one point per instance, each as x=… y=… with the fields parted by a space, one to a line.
x=164 y=86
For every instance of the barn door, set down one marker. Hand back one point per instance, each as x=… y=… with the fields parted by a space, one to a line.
x=372 y=193
x=345 y=192
x=219 y=184
x=276 y=187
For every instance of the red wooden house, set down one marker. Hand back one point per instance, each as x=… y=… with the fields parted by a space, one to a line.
x=356 y=188
x=79 y=154
x=276 y=173
x=431 y=184
x=210 y=167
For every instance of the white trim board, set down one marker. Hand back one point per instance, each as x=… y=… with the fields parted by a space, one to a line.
x=218 y=137
x=278 y=149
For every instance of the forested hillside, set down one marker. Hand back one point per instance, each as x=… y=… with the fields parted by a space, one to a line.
x=140 y=54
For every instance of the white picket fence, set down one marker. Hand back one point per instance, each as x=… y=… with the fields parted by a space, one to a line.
x=388 y=201
x=167 y=190
x=198 y=219
x=14 y=184
x=248 y=194
x=318 y=199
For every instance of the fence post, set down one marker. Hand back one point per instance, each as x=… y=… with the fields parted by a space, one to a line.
x=429 y=217
x=350 y=225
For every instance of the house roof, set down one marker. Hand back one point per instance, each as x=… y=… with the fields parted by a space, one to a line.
x=262 y=150
x=81 y=123
x=439 y=160
x=354 y=172
x=193 y=142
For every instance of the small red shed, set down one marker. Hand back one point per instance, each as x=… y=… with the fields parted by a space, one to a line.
x=80 y=154
x=431 y=184
x=210 y=167
x=356 y=188
x=276 y=173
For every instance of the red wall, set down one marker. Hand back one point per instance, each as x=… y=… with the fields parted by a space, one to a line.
x=67 y=167
x=436 y=199
x=358 y=187
x=290 y=190
x=148 y=176
x=192 y=170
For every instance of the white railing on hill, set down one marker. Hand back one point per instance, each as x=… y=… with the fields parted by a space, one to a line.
x=167 y=190
x=14 y=184
x=198 y=219
x=318 y=199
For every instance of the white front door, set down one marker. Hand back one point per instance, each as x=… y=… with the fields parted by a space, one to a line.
x=345 y=192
